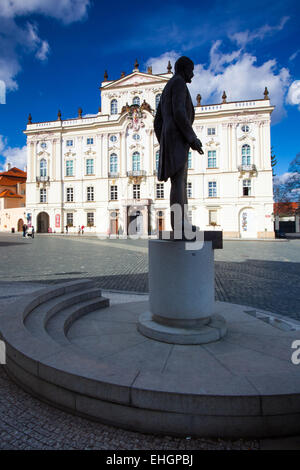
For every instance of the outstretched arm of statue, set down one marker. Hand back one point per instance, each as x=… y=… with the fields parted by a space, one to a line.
x=179 y=94
x=158 y=122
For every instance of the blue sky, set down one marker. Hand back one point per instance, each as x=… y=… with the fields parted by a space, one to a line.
x=53 y=55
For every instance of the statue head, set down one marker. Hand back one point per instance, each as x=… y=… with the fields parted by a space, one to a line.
x=185 y=67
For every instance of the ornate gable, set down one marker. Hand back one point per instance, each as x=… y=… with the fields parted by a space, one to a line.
x=135 y=79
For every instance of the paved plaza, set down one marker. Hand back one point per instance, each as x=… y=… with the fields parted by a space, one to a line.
x=264 y=275
x=260 y=274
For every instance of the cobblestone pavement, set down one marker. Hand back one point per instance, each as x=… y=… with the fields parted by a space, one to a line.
x=27 y=423
x=261 y=274
x=265 y=275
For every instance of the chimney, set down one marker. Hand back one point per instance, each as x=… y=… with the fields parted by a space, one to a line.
x=8 y=166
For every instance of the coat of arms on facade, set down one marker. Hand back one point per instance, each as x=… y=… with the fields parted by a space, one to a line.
x=136 y=116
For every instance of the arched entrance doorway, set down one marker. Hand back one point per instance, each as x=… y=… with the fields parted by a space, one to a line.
x=20 y=225
x=248 y=223
x=42 y=222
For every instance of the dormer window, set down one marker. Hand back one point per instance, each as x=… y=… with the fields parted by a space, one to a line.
x=136 y=100
x=113 y=107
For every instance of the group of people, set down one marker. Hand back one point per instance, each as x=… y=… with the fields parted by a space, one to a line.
x=80 y=229
x=28 y=231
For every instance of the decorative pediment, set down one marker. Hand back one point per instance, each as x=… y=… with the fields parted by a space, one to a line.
x=136 y=78
x=90 y=152
x=212 y=143
x=43 y=153
x=70 y=154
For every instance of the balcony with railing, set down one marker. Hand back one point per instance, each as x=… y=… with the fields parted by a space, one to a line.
x=136 y=173
x=250 y=168
x=43 y=179
x=113 y=174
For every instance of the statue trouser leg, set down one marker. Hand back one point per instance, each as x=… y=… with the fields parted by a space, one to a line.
x=178 y=194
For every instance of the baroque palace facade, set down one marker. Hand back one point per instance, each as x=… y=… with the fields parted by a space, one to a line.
x=99 y=171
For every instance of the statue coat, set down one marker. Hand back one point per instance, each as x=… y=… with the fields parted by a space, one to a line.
x=173 y=127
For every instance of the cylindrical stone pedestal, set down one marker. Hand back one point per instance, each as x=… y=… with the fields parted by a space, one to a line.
x=182 y=294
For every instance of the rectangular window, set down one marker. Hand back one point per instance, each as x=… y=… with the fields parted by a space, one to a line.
x=43 y=195
x=246 y=187
x=160 y=190
x=90 y=193
x=114 y=192
x=212 y=215
x=212 y=189
x=69 y=219
x=90 y=141
x=189 y=160
x=136 y=191
x=90 y=219
x=69 y=168
x=212 y=159
x=211 y=131
x=90 y=166
x=69 y=194
x=69 y=143
x=189 y=190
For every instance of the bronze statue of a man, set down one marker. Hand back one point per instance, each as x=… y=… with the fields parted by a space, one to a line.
x=173 y=128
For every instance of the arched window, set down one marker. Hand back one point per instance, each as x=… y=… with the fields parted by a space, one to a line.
x=113 y=107
x=157 y=99
x=113 y=163
x=43 y=167
x=246 y=155
x=136 y=161
x=157 y=160
x=136 y=100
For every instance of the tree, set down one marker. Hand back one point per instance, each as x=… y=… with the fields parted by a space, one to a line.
x=273 y=161
x=287 y=186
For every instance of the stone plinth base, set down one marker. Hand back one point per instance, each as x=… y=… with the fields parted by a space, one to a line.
x=182 y=294
x=213 y=330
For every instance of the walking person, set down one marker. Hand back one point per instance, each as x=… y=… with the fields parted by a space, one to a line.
x=79 y=230
x=24 y=230
x=67 y=228
x=82 y=229
x=32 y=232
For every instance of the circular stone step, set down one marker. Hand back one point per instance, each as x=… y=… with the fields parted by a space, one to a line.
x=243 y=385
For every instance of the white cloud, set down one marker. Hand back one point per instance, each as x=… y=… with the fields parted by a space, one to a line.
x=293 y=56
x=238 y=74
x=244 y=37
x=17 y=38
x=159 y=64
x=41 y=47
x=293 y=96
x=67 y=11
x=17 y=156
x=284 y=178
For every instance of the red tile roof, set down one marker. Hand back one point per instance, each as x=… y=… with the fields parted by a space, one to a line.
x=286 y=208
x=15 y=172
x=12 y=177
x=9 y=194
